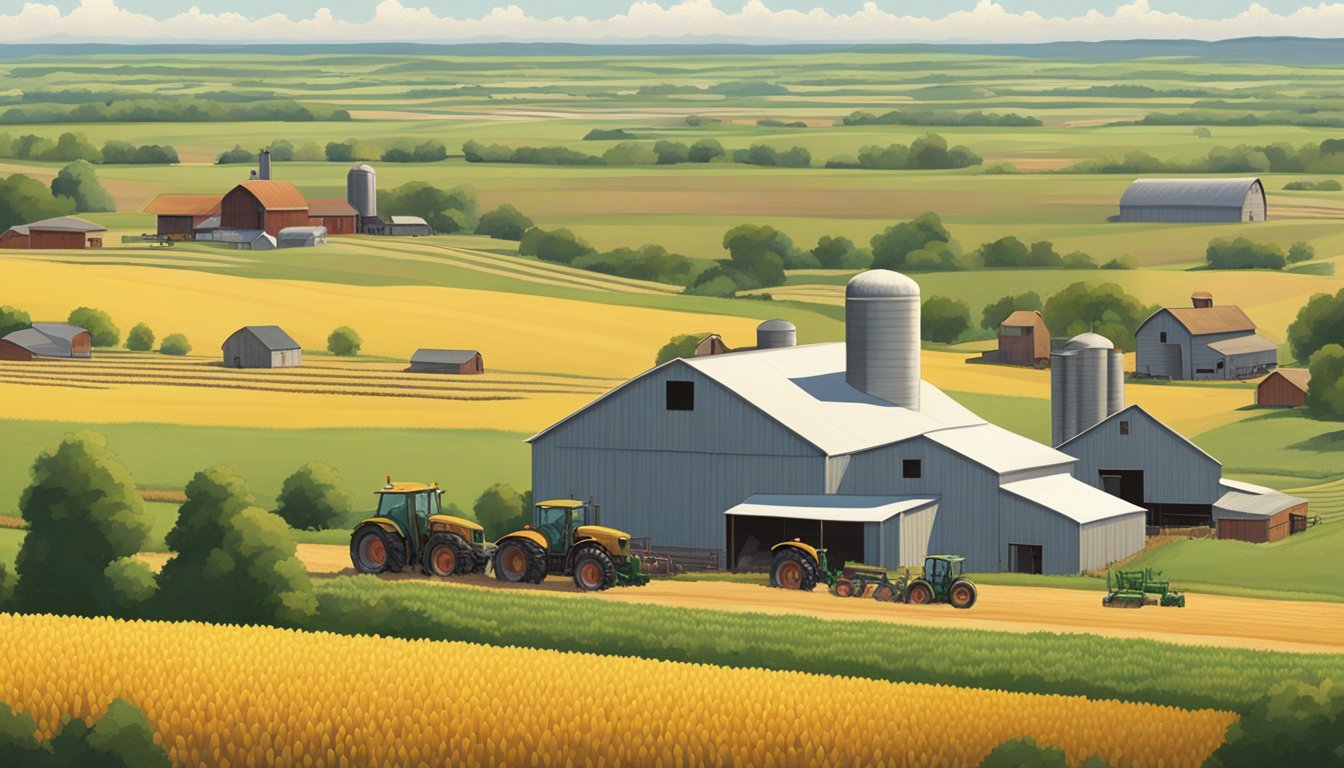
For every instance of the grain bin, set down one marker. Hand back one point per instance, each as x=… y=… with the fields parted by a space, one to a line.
x=776 y=334
x=882 y=336
x=1115 y=383
x=1081 y=386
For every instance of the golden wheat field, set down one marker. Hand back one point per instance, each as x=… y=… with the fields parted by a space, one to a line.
x=262 y=696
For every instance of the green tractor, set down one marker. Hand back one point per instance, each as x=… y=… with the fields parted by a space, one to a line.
x=563 y=541
x=801 y=566
x=942 y=582
x=408 y=528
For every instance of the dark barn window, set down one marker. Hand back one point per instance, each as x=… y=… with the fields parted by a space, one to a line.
x=911 y=468
x=1124 y=427
x=681 y=396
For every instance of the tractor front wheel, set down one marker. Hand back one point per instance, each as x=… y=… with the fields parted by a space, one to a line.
x=920 y=593
x=793 y=569
x=446 y=554
x=520 y=560
x=376 y=550
x=886 y=593
x=962 y=594
x=594 y=569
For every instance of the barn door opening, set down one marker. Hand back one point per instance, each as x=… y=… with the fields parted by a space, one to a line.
x=1124 y=483
x=1024 y=558
x=237 y=362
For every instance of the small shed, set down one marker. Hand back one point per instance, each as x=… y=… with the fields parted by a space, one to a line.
x=1024 y=339
x=261 y=346
x=334 y=213
x=712 y=344
x=62 y=232
x=56 y=340
x=1257 y=514
x=238 y=239
x=408 y=226
x=455 y=361
x=180 y=215
x=301 y=237
x=1285 y=388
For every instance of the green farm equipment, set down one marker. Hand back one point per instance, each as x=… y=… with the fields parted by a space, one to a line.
x=801 y=566
x=1135 y=589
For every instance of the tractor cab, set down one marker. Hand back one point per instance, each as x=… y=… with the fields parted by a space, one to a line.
x=409 y=506
x=409 y=528
x=942 y=570
x=558 y=521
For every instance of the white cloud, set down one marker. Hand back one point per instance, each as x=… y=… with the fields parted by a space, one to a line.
x=395 y=20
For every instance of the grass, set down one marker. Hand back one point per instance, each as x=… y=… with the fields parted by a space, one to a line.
x=1279 y=442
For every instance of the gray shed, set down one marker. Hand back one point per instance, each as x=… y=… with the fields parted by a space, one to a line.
x=301 y=237
x=458 y=361
x=242 y=239
x=1194 y=200
x=261 y=346
x=1203 y=342
x=408 y=226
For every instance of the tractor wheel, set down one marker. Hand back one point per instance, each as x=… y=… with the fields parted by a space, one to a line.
x=376 y=550
x=594 y=570
x=446 y=554
x=920 y=593
x=793 y=569
x=886 y=593
x=843 y=588
x=520 y=560
x=962 y=594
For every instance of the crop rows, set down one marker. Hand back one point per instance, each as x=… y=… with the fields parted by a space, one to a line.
x=222 y=695
x=1327 y=499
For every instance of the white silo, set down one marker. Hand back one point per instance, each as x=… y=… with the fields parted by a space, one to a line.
x=774 y=334
x=361 y=190
x=1115 y=383
x=1080 y=386
x=882 y=336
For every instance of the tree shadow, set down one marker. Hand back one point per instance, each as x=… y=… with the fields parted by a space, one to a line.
x=1326 y=442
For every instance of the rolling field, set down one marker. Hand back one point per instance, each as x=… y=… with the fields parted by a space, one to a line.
x=620 y=711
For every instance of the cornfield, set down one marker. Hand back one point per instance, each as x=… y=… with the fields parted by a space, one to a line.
x=262 y=696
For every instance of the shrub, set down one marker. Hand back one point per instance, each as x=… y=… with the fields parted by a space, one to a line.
x=23 y=200
x=1319 y=322
x=344 y=341
x=891 y=247
x=427 y=152
x=841 y=253
x=175 y=344
x=943 y=320
x=99 y=324
x=607 y=134
x=500 y=510
x=504 y=223
x=1105 y=309
x=85 y=520
x=233 y=562
x=140 y=339
x=1300 y=251
x=314 y=498
x=13 y=319
x=671 y=152
x=993 y=315
x=1296 y=723
x=121 y=738
x=648 y=262
x=679 y=346
x=236 y=155
x=1024 y=753
x=758 y=253
x=1242 y=253
x=445 y=210
x=762 y=154
x=705 y=151
x=557 y=245
x=631 y=153
x=79 y=182
x=1202 y=132
x=1325 y=396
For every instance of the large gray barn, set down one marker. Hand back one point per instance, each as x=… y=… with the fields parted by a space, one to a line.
x=1203 y=342
x=1194 y=200
x=737 y=451
x=261 y=346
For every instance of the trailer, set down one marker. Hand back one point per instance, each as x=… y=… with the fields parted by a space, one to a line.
x=1135 y=589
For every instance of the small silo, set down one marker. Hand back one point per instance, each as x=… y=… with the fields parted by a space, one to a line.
x=882 y=336
x=361 y=190
x=1081 y=387
x=1115 y=383
x=776 y=334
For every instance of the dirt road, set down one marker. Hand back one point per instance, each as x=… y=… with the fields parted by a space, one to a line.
x=1234 y=622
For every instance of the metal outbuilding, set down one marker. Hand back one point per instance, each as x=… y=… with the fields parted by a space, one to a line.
x=1254 y=513
x=861 y=529
x=241 y=239
x=62 y=232
x=1194 y=200
x=1202 y=341
x=261 y=346
x=453 y=361
x=54 y=340
x=1286 y=388
x=301 y=237
x=408 y=226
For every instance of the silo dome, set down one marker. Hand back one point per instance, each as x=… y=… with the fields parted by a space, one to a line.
x=1089 y=341
x=775 y=334
x=882 y=314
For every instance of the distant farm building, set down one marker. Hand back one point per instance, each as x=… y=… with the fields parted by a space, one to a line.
x=337 y=215
x=56 y=340
x=268 y=205
x=407 y=226
x=771 y=334
x=455 y=361
x=180 y=215
x=712 y=344
x=1284 y=388
x=1193 y=200
x=62 y=232
x=261 y=346
x=1253 y=513
x=242 y=239
x=301 y=237
x=1203 y=341
x=1024 y=339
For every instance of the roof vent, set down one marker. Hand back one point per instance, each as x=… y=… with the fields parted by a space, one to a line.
x=1201 y=299
x=882 y=336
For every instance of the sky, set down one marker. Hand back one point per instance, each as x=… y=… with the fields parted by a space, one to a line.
x=633 y=20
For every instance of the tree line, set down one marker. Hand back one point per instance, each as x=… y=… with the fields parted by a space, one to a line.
x=69 y=147
x=940 y=117
x=1324 y=157
x=173 y=109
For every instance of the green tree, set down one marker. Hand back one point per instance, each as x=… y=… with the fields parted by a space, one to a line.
x=500 y=510
x=85 y=520
x=1300 y=251
x=631 y=153
x=672 y=152
x=24 y=200
x=309 y=151
x=705 y=151
x=446 y=210
x=17 y=740
x=1243 y=253
x=71 y=147
x=1296 y=723
x=892 y=246
x=679 y=346
x=841 y=253
x=757 y=254
x=1024 y=753
x=1006 y=252
x=1325 y=396
x=235 y=155
x=1103 y=308
x=79 y=182
x=993 y=315
x=282 y=150
x=13 y=319
x=98 y=323
x=504 y=223
x=1319 y=322
x=314 y=498
x=233 y=562
x=175 y=344
x=943 y=320
x=344 y=341
x=140 y=339
x=558 y=245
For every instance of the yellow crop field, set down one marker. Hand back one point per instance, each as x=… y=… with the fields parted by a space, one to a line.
x=261 y=696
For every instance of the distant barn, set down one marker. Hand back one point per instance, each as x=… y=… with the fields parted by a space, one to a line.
x=267 y=205
x=58 y=340
x=1284 y=388
x=1194 y=200
x=64 y=232
x=458 y=361
x=1024 y=339
x=261 y=346
x=337 y=215
x=180 y=215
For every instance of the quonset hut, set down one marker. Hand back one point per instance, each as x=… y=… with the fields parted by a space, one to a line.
x=842 y=445
x=1194 y=200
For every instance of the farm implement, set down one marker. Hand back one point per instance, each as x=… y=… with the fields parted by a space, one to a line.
x=1135 y=589
x=801 y=566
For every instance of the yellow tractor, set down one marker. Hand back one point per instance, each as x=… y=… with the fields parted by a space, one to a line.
x=408 y=528
x=562 y=541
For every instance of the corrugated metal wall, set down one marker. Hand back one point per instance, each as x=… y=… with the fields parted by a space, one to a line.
x=916 y=531
x=1174 y=472
x=1103 y=542
x=1024 y=522
x=1153 y=358
x=286 y=358
x=243 y=350
x=1188 y=215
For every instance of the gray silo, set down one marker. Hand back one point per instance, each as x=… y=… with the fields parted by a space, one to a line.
x=264 y=165
x=774 y=334
x=1081 y=386
x=1115 y=383
x=361 y=190
x=882 y=336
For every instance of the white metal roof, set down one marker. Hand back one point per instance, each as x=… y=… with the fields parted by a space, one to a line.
x=1237 y=485
x=402 y=220
x=1072 y=498
x=830 y=507
x=998 y=449
x=1244 y=345
x=1246 y=501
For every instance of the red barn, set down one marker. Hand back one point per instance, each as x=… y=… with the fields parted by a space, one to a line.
x=180 y=214
x=62 y=232
x=1024 y=339
x=267 y=205
x=1286 y=387
x=334 y=213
